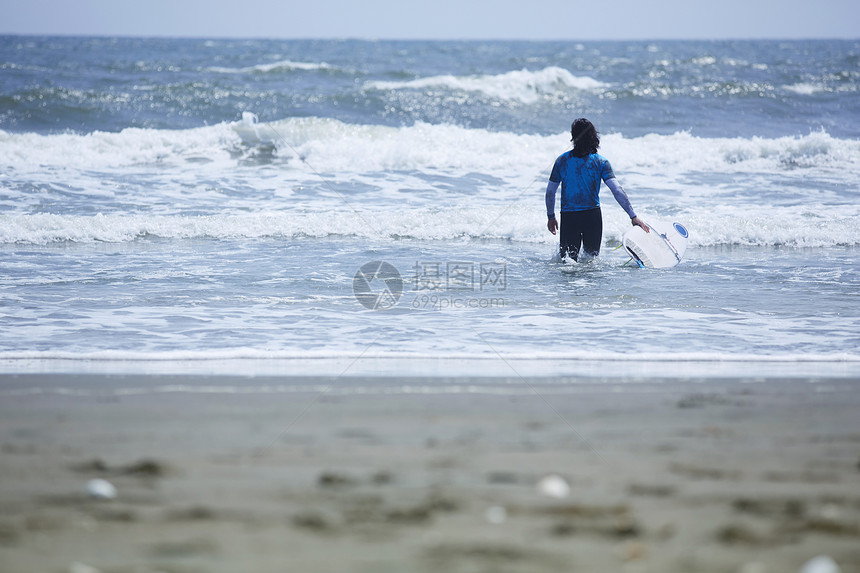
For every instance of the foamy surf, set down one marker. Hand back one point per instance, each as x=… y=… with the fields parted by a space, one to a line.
x=790 y=226
x=331 y=145
x=340 y=372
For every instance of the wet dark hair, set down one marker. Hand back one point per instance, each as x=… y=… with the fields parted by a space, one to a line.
x=584 y=137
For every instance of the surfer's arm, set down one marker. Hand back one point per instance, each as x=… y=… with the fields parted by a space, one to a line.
x=551 y=223
x=551 y=188
x=622 y=199
x=620 y=196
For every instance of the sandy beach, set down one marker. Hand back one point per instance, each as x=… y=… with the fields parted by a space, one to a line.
x=274 y=474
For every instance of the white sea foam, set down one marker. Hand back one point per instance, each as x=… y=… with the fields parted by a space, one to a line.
x=587 y=355
x=108 y=150
x=522 y=85
x=582 y=367
x=683 y=152
x=806 y=88
x=518 y=221
x=332 y=145
x=736 y=198
x=279 y=66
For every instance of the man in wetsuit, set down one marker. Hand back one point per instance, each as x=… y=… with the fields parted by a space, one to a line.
x=580 y=172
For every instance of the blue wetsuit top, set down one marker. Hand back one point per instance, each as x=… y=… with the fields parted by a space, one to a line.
x=580 y=184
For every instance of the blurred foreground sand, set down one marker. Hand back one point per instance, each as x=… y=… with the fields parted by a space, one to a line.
x=668 y=476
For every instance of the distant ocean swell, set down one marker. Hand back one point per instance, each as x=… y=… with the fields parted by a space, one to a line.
x=523 y=86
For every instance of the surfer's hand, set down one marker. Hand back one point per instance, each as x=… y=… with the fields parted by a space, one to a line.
x=638 y=222
x=552 y=225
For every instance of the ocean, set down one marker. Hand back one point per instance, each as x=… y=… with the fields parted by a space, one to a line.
x=376 y=209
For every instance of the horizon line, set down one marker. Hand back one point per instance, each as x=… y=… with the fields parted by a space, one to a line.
x=167 y=36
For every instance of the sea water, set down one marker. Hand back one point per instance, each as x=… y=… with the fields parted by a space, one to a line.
x=229 y=206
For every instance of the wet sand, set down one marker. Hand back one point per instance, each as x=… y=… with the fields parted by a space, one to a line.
x=663 y=476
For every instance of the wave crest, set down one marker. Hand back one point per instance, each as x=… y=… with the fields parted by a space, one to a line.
x=520 y=85
x=334 y=146
x=519 y=221
x=279 y=66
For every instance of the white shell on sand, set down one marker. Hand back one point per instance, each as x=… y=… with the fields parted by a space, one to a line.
x=496 y=514
x=821 y=564
x=101 y=489
x=553 y=486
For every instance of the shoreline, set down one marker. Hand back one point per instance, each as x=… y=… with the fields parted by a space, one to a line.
x=534 y=366
x=663 y=475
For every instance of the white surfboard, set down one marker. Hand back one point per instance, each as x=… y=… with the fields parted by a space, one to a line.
x=662 y=248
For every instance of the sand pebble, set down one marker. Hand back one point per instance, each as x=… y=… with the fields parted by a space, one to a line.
x=830 y=512
x=821 y=564
x=632 y=551
x=496 y=514
x=101 y=489
x=553 y=485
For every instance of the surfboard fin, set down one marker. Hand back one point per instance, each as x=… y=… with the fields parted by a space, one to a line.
x=634 y=256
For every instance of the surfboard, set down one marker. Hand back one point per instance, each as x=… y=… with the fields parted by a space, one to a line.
x=662 y=248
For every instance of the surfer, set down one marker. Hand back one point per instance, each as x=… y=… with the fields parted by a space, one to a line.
x=579 y=171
